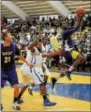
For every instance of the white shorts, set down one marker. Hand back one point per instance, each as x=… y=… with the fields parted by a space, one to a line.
x=46 y=71
x=31 y=75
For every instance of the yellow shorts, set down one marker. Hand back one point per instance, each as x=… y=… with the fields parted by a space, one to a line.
x=74 y=54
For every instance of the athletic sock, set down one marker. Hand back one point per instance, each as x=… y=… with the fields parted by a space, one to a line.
x=45 y=82
x=44 y=97
x=15 y=99
x=19 y=96
x=71 y=69
x=21 y=93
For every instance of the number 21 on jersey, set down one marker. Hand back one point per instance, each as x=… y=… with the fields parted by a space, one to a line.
x=7 y=59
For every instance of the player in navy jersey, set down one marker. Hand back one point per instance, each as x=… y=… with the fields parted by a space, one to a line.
x=8 y=68
x=71 y=54
x=68 y=31
x=67 y=39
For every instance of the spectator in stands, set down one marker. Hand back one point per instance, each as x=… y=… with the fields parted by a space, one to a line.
x=56 y=46
x=25 y=31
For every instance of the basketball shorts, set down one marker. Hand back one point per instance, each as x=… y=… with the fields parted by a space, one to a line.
x=74 y=54
x=30 y=75
x=46 y=70
x=10 y=76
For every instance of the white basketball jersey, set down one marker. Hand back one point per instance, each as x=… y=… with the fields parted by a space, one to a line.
x=37 y=60
x=34 y=58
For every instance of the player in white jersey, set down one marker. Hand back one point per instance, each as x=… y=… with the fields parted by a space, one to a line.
x=34 y=73
x=42 y=48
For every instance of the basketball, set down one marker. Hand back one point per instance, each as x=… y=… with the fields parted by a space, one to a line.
x=80 y=11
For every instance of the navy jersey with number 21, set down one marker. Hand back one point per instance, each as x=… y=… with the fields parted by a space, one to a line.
x=7 y=56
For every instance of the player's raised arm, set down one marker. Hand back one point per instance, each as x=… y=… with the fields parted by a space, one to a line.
x=30 y=46
x=80 y=12
x=36 y=40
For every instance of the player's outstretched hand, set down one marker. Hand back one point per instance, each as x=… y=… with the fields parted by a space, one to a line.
x=80 y=12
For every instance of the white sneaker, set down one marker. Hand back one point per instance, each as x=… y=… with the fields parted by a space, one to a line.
x=16 y=106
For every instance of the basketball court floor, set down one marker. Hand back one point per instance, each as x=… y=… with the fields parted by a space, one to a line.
x=69 y=95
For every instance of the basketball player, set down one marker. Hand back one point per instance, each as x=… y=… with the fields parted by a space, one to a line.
x=67 y=42
x=74 y=59
x=8 y=69
x=43 y=48
x=35 y=57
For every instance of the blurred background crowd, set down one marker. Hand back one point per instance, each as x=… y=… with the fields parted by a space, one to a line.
x=25 y=32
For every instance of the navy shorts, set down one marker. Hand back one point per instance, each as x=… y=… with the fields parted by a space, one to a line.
x=10 y=76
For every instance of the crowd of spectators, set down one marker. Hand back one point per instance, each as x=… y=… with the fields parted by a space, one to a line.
x=26 y=31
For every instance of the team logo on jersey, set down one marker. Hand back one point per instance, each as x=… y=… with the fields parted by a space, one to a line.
x=7 y=53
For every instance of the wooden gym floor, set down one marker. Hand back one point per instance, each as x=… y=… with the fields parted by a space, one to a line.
x=69 y=95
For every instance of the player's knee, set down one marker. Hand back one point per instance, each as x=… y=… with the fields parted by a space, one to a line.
x=83 y=60
x=15 y=86
x=42 y=85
